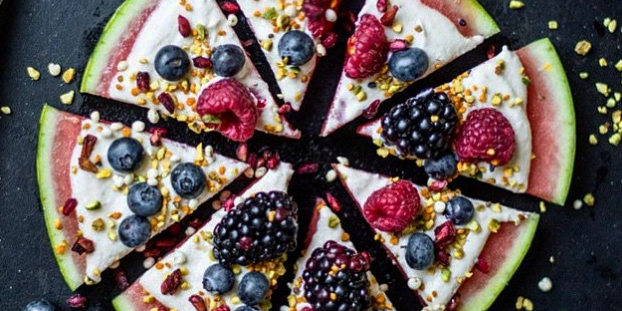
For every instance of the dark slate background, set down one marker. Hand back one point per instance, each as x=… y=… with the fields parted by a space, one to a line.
x=586 y=243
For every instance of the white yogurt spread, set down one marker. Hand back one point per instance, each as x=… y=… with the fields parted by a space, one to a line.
x=323 y=234
x=107 y=187
x=196 y=251
x=438 y=37
x=161 y=29
x=362 y=184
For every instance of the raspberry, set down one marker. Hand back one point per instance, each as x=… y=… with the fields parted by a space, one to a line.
x=233 y=105
x=315 y=11
x=367 y=49
x=486 y=136
x=393 y=207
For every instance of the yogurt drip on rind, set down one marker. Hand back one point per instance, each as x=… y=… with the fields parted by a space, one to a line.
x=197 y=250
x=161 y=29
x=484 y=83
x=109 y=189
x=436 y=291
x=438 y=36
x=330 y=230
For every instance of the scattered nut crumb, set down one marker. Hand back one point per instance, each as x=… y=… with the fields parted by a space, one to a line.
x=34 y=74
x=589 y=200
x=545 y=284
x=54 y=69
x=583 y=47
x=515 y=5
x=584 y=75
x=6 y=110
x=68 y=75
x=553 y=25
x=67 y=98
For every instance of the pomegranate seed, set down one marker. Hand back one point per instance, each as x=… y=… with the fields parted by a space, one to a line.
x=156 y=136
x=77 y=301
x=184 y=26
x=175 y=229
x=202 y=62
x=142 y=81
x=308 y=168
x=482 y=265
x=491 y=51
x=398 y=45
x=121 y=279
x=167 y=101
x=171 y=283
x=242 y=152
x=70 y=206
x=389 y=16
x=381 y=5
x=83 y=245
x=152 y=252
x=252 y=160
x=198 y=302
x=329 y=40
x=261 y=103
x=195 y=223
x=229 y=203
x=247 y=43
x=372 y=110
x=274 y=161
x=285 y=109
x=229 y=7
x=333 y=203
x=166 y=243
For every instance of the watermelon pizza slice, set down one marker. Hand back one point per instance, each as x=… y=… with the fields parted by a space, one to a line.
x=326 y=246
x=107 y=188
x=232 y=262
x=292 y=35
x=183 y=60
x=457 y=253
x=509 y=122
x=397 y=42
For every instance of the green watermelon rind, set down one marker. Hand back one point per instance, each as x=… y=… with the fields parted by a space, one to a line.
x=123 y=303
x=485 y=25
x=112 y=33
x=544 y=52
x=47 y=131
x=486 y=296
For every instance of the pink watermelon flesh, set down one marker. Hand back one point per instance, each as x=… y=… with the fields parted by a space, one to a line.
x=57 y=139
x=552 y=118
x=132 y=300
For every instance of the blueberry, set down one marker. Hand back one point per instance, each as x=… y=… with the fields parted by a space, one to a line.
x=40 y=305
x=172 y=63
x=144 y=200
x=420 y=251
x=297 y=46
x=253 y=288
x=134 y=231
x=125 y=154
x=228 y=60
x=460 y=210
x=246 y=308
x=218 y=279
x=188 y=180
x=441 y=167
x=408 y=65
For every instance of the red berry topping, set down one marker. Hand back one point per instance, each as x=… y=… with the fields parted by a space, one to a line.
x=486 y=136
x=183 y=26
x=233 y=105
x=367 y=49
x=393 y=207
x=315 y=11
x=142 y=81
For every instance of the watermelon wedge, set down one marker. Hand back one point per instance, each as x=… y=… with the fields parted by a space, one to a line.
x=262 y=15
x=137 y=32
x=325 y=226
x=443 y=29
x=544 y=124
x=497 y=236
x=196 y=251
x=75 y=200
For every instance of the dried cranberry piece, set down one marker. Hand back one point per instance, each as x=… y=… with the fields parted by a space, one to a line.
x=252 y=160
x=273 y=161
x=167 y=101
x=184 y=26
x=70 y=206
x=438 y=185
x=242 y=152
x=372 y=110
x=171 y=283
x=333 y=202
x=156 y=136
x=121 y=279
x=198 y=302
x=223 y=308
x=229 y=203
x=166 y=243
x=83 y=245
x=491 y=51
x=77 y=301
x=444 y=235
x=88 y=144
x=142 y=81
x=398 y=45
x=285 y=109
x=389 y=16
x=382 y=5
x=482 y=265
x=202 y=62
x=308 y=168
x=152 y=252
x=229 y=7
x=195 y=223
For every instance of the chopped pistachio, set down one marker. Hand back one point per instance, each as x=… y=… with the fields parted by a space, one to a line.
x=494 y=225
x=67 y=98
x=603 y=129
x=33 y=73
x=603 y=88
x=542 y=207
x=515 y=5
x=589 y=200
x=269 y=13
x=333 y=222
x=201 y=31
x=602 y=62
x=553 y=25
x=93 y=205
x=583 y=75
x=614 y=140
x=593 y=140
x=611 y=102
x=98 y=224
x=583 y=47
x=612 y=26
x=6 y=110
x=445 y=275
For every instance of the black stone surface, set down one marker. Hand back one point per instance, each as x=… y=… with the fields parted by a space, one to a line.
x=586 y=244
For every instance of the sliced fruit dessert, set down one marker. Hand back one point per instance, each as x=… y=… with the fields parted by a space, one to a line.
x=331 y=274
x=458 y=253
x=232 y=262
x=292 y=34
x=508 y=122
x=398 y=42
x=183 y=59
x=107 y=188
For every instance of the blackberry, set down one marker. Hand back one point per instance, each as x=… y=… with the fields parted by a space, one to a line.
x=335 y=279
x=261 y=228
x=423 y=126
